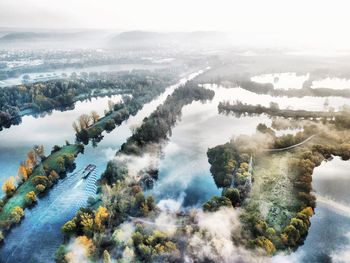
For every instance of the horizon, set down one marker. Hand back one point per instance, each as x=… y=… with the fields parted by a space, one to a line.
x=291 y=22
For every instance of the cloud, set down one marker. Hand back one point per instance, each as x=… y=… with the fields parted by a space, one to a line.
x=214 y=241
x=171 y=205
x=77 y=252
x=137 y=164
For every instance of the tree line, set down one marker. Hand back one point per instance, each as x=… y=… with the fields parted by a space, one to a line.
x=60 y=94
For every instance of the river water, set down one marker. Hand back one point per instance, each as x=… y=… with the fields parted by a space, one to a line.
x=38 y=236
x=329 y=236
x=184 y=177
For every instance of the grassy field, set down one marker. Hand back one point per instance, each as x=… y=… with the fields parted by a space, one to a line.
x=52 y=163
x=273 y=189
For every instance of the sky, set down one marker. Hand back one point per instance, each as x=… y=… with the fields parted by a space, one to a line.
x=317 y=20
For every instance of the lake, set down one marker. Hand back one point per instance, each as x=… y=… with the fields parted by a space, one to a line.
x=184 y=177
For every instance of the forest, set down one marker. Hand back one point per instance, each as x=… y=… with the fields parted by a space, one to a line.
x=60 y=94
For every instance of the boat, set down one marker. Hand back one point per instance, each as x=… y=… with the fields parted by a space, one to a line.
x=88 y=170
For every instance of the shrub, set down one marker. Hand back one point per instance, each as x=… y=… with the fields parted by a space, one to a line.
x=30 y=198
x=16 y=214
x=40 y=188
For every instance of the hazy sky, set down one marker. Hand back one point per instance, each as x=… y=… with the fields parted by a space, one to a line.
x=314 y=19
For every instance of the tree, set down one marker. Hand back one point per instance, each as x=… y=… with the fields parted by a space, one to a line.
x=100 y=216
x=106 y=257
x=216 y=202
x=30 y=198
x=150 y=203
x=87 y=222
x=41 y=179
x=22 y=173
x=69 y=227
x=266 y=244
x=109 y=125
x=16 y=214
x=53 y=176
x=60 y=255
x=110 y=105
x=40 y=188
x=94 y=116
x=9 y=187
x=76 y=127
x=84 y=121
x=233 y=195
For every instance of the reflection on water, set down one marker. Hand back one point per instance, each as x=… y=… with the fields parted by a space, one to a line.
x=304 y=103
x=284 y=81
x=291 y=80
x=38 y=236
x=54 y=128
x=66 y=72
x=184 y=174
x=331 y=83
x=329 y=236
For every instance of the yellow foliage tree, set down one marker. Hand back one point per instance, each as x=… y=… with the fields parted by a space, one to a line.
x=17 y=213
x=87 y=249
x=30 y=198
x=23 y=173
x=87 y=222
x=9 y=186
x=100 y=216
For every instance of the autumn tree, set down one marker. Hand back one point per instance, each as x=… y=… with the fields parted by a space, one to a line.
x=9 y=186
x=30 y=198
x=40 y=188
x=31 y=161
x=100 y=216
x=22 y=172
x=53 y=176
x=94 y=116
x=16 y=214
x=87 y=222
x=69 y=227
x=87 y=248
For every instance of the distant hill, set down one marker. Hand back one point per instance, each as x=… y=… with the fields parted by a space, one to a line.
x=146 y=39
x=129 y=40
x=52 y=39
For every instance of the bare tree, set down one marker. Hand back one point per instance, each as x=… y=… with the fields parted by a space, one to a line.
x=111 y=105
x=84 y=121
x=76 y=127
x=94 y=116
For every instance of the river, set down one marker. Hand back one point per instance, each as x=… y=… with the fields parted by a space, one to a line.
x=38 y=236
x=329 y=235
x=184 y=177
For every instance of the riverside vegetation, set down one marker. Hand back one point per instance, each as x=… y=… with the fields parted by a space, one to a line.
x=35 y=176
x=122 y=193
x=273 y=188
x=62 y=94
